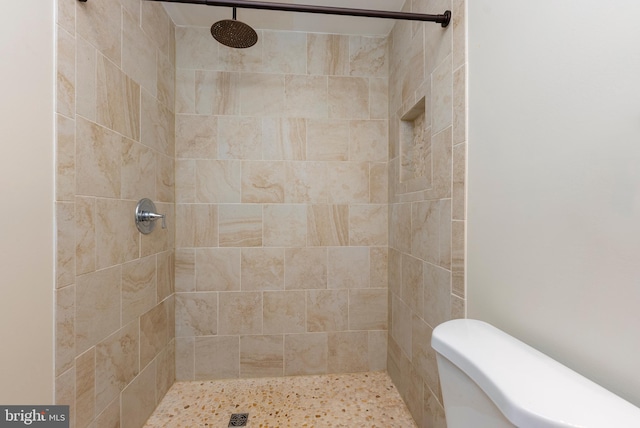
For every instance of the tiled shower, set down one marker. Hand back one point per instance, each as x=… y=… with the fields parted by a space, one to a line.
x=314 y=191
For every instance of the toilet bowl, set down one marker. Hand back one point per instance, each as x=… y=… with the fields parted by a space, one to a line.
x=489 y=379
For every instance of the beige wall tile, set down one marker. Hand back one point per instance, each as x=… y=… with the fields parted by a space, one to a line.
x=459 y=33
x=458 y=191
x=284 y=138
x=65 y=158
x=247 y=60
x=117 y=364
x=423 y=356
x=305 y=354
x=185 y=357
x=217 y=269
x=195 y=50
x=185 y=269
x=196 y=137
x=85 y=212
x=137 y=171
x=85 y=402
x=165 y=370
x=185 y=94
x=261 y=94
x=457 y=258
x=400 y=227
x=348 y=182
x=240 y=225
x=368 y=140
x=154 y=333
x=185 y=175
x=165 y=274
x=379 y=98
x=306 y=182
x=165 y=178
x=306 y=96
x=261 y=356
x=368 y=225
x=66 y=16
x=109 y=417
x=65 y=73
x=166 y=88
x=400 y=328
x=157 y=124
x=196 y=314
x=65 y=244
x=442 y=96
x=240 y=313
x=100 y=25
x=239 y=138
x=138 y=61
x=348 y=267
x=425 y=222
x=459 y=119
x=65 y=392
x=379 y=269
x=262 y=269
x=118 y=100
x=348 y=98
x=117 y=239
x=156 y=23
x=327 y=310
x=217 y=92
x=378 y=350
x=437 y=295
x=378 y=183
x=97 y=160
x=263 y=182
x=327 y=140
x=327 y=54
x=368 y=309
x=218 y=181
x=444 y=246
x=139 y=398
x=217 y=357
x=305 y=268
x=283 y=312
x=286 y=51
x=196 y=225
x=65 y=348
x=412 y=289
x=328 y=225
x=368 y=56
x=348 y=352
x=139 y=288
x=97 y=307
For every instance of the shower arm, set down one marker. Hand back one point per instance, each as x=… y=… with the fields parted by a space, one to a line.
x=443 y=19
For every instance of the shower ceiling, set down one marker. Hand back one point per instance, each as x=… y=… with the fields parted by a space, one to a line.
x=204 y=16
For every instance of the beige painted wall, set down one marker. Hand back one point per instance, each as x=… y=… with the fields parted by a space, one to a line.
x=554 y=183
x=26 y=192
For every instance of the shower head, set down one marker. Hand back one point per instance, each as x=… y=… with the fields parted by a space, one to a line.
x=233 y=33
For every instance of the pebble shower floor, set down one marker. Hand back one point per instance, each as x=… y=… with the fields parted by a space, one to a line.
x=328 y=401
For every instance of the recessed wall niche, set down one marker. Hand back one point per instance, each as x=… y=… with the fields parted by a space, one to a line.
x=415 y=149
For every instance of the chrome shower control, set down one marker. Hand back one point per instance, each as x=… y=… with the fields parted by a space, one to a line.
x=146 y=216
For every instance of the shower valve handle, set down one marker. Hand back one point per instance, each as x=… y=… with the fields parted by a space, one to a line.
x=145 y=216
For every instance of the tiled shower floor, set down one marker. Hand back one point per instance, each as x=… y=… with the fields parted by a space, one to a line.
x=345 y=400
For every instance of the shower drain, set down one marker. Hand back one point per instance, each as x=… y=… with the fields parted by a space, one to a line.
x=239 y=420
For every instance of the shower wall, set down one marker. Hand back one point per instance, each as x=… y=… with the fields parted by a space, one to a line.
x=281 y=205
x=114 y=347
x=427 y=151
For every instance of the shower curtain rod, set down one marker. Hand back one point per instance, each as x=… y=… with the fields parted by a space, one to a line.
x=443 y=19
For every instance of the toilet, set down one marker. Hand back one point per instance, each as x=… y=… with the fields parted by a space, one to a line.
x=489 y=379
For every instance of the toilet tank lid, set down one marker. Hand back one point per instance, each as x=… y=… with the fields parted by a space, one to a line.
x=527 y=386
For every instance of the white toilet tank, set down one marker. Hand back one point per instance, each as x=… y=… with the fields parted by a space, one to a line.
x=492 y=380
